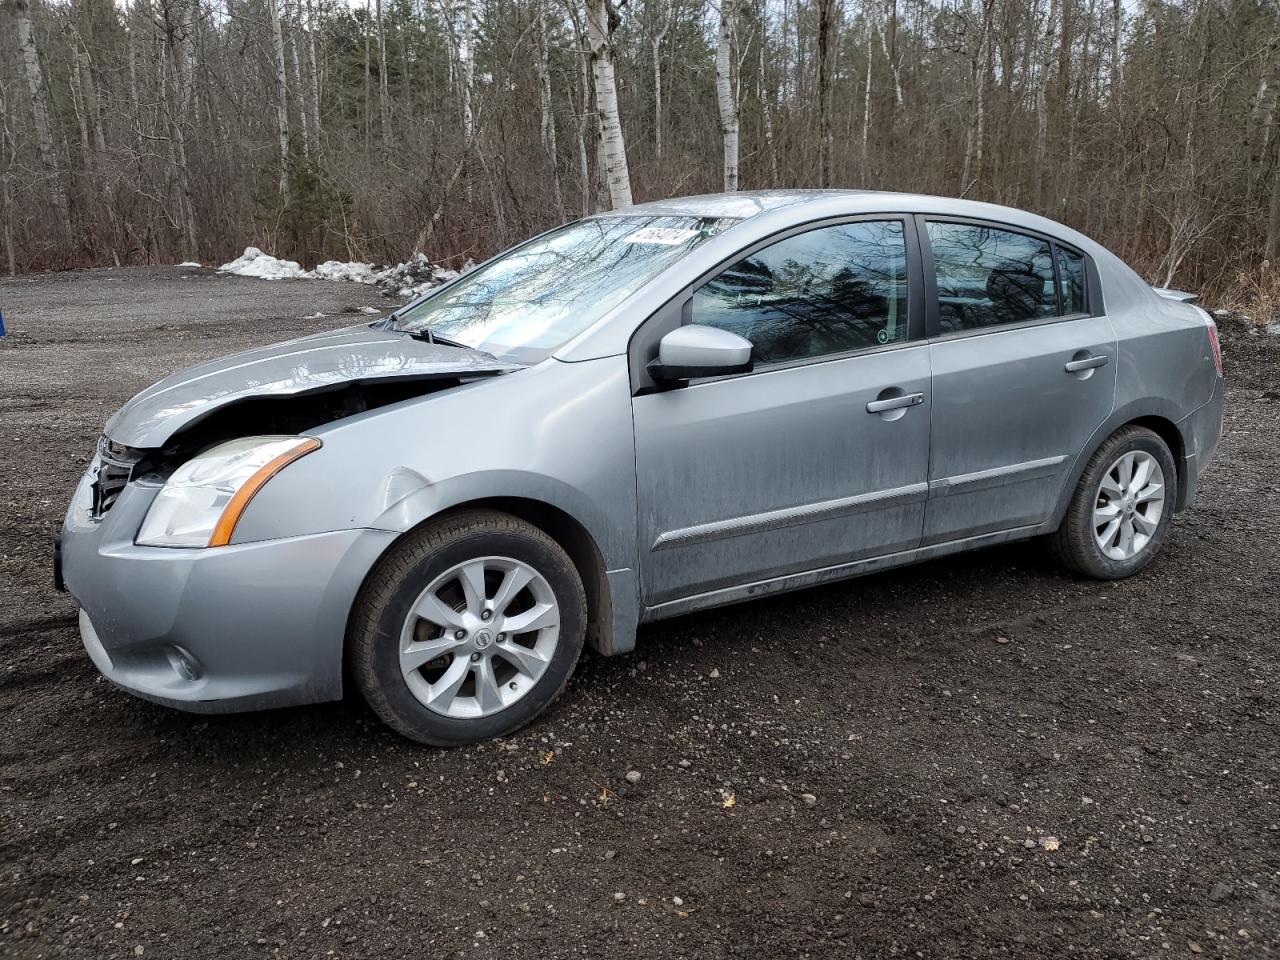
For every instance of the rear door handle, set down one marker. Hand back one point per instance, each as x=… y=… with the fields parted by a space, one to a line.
x=1088 y=363
x=894 y=403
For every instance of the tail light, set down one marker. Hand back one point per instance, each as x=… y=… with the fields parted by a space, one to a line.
x=1213 y=340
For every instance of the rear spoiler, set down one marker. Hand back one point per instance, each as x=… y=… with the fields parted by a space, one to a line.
x=1181 y=296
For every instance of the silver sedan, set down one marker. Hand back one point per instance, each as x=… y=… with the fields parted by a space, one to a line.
x=670 y=407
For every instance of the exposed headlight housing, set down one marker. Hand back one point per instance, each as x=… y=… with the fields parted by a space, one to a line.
x=202 y=501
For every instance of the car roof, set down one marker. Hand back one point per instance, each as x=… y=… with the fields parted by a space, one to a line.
x=749 y=204
x=740 y=205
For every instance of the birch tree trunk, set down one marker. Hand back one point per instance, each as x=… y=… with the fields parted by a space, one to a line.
x=976 y=136
x=313 y=71
x=657 y=97
x=300 y=96
x=368 y=101
x=655 y=43
x=467 y=58
x=547 y=129
x=584 y=113
x=766 y=106
x=1117 y=28
x=726 y=94
x=613 y=149
x=181 y=49
x=30 y=57
x=384 y=92
x=866 y=100
x=888 y=47
x=282 y=98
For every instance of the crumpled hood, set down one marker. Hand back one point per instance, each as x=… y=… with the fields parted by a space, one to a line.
x=311 y=364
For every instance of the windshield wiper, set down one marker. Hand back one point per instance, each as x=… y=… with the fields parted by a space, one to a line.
x=427 y=336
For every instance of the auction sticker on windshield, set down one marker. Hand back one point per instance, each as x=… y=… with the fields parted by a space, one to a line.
x=668 y=236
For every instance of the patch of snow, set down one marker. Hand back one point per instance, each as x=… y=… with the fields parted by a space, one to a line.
x=254 y=263
x=340 y=272
x=318 y=315
x=406 y=280
x=371 y=311
x=188 y=263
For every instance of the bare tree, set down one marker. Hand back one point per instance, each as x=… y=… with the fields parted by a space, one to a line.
x=547 y=130
x=601 y=22
x=313 y=81
x=282 y=97
x=30 y=56
x=826 y=26
x=466 y=54
x=384 y=94
x=661 y=19
x=1151 y=127
x=727 y=92
x=180 y=49
x=8 y=152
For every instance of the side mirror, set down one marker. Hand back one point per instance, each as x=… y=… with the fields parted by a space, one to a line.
x=695 y=350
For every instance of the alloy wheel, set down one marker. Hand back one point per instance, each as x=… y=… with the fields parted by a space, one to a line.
x=1129 y=505
x=479 y=637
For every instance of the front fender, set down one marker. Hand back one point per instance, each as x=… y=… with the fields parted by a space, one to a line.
x=559 y=433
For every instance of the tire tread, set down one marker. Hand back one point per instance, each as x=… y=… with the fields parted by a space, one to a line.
x=1069 y=543
x=391 y=571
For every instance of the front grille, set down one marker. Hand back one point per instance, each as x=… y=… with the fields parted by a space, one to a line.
x=115 y=468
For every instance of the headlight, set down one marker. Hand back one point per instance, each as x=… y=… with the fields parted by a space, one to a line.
x=202 y=501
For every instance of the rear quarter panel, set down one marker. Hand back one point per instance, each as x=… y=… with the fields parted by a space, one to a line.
x=1164 y=362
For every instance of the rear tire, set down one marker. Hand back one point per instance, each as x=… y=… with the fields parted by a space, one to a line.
x=1120 y=512
x=467 y=629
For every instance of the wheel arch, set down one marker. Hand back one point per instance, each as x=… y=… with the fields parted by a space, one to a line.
x=565 y=530
x=1159 y=420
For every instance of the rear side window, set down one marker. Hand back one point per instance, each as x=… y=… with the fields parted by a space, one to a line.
x=827 y=291
x=988 y=277
x=1071 y=273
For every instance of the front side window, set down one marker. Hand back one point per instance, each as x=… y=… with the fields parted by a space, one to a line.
x=823 y=292
x=537 y=296
x=988 y=277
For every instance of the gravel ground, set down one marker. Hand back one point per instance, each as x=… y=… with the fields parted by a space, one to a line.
x=976 y=756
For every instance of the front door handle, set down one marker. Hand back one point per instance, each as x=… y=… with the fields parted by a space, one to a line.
x=895 y=403
x=1086 y=363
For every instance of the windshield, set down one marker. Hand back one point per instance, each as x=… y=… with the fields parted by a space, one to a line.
x=537 y=296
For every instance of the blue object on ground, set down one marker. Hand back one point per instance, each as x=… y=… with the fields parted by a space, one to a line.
x=1 y=323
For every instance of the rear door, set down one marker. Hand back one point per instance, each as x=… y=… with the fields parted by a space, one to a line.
x=1024 y=369
x=819 y=456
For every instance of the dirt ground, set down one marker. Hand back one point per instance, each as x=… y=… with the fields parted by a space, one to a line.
x=976 y=756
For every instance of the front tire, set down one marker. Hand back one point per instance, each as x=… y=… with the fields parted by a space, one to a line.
x=467 y=629
x=1120 y=512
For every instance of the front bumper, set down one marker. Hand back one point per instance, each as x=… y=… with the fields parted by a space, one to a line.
x=241 y=627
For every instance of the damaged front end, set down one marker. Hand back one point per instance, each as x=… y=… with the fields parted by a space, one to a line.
x=116 y=464
x=175 y=622
x=286 y=389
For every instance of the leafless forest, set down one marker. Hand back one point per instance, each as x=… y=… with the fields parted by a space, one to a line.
x=145 y=131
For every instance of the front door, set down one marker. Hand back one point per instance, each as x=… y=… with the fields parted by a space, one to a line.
x=1024 y=373
x=818 y=457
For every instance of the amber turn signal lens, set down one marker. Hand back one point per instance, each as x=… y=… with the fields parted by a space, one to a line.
x=235 y=507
